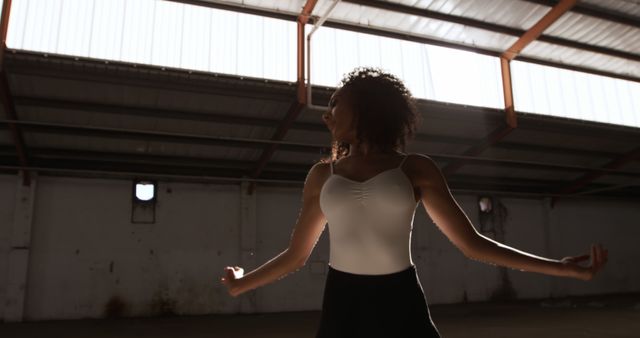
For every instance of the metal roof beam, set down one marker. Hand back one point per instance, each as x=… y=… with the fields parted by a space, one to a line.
x=173 y=114
x=496 y=28
x=153 y=160
x=145 y=135
x=595 y=131
x=57 y=128
x=593 y=175
x=146 y=76
x=596 y=12
x=54 y=154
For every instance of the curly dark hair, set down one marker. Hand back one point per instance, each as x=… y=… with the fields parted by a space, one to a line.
x=384 y=110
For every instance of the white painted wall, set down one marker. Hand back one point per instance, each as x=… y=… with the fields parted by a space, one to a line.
x=87 y=260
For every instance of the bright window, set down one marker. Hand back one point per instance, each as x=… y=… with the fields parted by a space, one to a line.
x=577 y=95
x=430 y=72
x=156 y=32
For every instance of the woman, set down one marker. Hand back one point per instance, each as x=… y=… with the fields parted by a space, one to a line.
x=367 y=194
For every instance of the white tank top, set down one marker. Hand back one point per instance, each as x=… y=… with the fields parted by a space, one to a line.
x=369 y=222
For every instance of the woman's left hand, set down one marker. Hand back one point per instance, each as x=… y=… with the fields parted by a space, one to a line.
x=231 y=279
x=599 y=256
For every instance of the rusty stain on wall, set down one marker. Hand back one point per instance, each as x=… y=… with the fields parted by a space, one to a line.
x=115 y=307
x=162 y=305
x=493 y=224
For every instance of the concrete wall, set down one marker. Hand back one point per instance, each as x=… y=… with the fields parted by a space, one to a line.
x=87 y=260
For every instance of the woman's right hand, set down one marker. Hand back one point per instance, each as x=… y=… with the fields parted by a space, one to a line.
x=598 y=257
x=232 y=275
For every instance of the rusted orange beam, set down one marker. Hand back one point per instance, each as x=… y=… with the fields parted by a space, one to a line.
x=536 y=30
x=529 y=36
x=507 y=90
x=301 y=98
x=7 y=100
x=511 y=120
x=4 y=27
x=303 y=18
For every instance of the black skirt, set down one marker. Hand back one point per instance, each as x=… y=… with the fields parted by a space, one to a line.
x=388 y=305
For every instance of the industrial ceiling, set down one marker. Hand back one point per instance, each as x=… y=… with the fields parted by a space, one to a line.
x=86 y=117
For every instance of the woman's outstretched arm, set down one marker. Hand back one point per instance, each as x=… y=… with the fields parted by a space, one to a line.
x=276 y=268
x=452 y=221
x=307 y=230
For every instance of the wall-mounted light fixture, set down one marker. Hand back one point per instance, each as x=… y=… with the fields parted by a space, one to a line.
x=145 y=196
x=485 y=204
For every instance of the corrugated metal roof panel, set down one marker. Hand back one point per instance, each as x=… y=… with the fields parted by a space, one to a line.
x=577 y=57
x=629 y=7
x=597 y=32
x=43 y=90
x=287 y=6
x=416 y=25
x=515 y=14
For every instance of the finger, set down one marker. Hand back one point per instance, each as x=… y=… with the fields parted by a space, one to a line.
x=600 y=257
x=580 y=258
x=596 y=260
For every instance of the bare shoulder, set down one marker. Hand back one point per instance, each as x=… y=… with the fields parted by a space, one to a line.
x=423 y=171
x=316 y=176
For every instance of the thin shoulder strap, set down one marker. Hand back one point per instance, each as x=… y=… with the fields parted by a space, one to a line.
x=401 y=162
x=331 y=164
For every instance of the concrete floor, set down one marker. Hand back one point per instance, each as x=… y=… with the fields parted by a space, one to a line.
x=593 y=316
